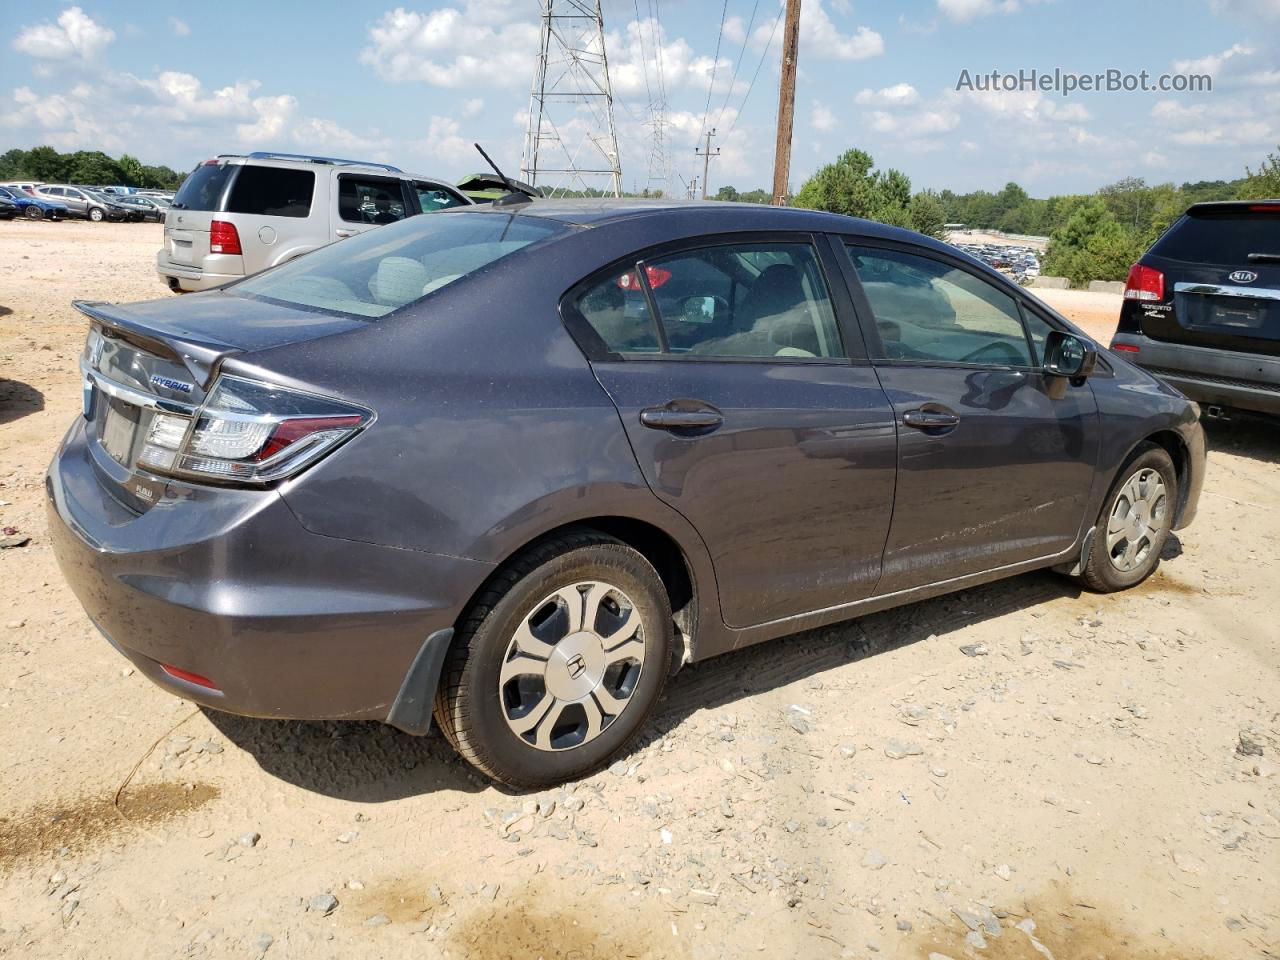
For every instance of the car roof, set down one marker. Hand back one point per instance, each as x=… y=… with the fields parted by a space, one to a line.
x=717 y=216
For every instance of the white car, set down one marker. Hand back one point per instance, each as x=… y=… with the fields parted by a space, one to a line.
x=235 y=215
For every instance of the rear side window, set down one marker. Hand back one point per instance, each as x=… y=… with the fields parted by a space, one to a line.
x=203 y=187
x=432 y=196
x=272 y=192
x=1221 y=237
x=376 y=200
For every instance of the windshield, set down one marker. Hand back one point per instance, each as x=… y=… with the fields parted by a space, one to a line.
x=1226 y=237
x=384 y=269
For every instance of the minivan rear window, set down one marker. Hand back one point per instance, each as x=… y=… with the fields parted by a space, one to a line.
x=1225 y=237
x=378 y=271
x=203 y=187
x=272 y=192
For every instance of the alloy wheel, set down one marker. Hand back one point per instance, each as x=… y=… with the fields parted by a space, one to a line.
x=1137 y=519
x=572 y=666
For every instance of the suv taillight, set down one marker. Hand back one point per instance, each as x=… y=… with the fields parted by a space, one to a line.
x=1144 y=283
x=250 y=432
x=223 y=237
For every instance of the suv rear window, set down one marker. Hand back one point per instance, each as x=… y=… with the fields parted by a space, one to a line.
x=272 y=192
x=1226 y=237
x=203 y=187
x=378 y=271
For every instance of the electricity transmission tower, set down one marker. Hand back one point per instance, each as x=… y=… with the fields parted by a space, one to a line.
x=571 y=142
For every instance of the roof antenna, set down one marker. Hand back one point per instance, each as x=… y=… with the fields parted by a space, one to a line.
x=514 y=195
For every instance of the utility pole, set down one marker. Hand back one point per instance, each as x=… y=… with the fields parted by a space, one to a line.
x=706 y=156
x=786 y=103
x=693 y=188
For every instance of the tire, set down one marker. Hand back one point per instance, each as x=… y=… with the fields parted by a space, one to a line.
x=1110 y=565
x=96 y=214
x=508 y=730
x=33 y=213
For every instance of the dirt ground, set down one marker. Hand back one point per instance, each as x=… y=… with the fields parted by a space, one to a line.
x=1097 y=780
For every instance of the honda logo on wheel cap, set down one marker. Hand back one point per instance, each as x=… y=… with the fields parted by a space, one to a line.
x=575 y=665
x=1244 y=276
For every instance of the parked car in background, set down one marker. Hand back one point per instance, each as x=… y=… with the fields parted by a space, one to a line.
x=236 y=215
x=118 y=204
x=8 y=209
x=488 y=187
x=34 y=207
x=26 y=186
x=148 y=208
x=1202 y=306
x=520 y=462
x=81 y=202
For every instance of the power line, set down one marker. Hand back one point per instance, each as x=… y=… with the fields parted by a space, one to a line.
x=741 y=53
x=767 y=47
x=715 y=62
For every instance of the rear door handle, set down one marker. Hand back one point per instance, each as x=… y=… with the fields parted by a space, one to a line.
x=664 y=418
x=931 y=419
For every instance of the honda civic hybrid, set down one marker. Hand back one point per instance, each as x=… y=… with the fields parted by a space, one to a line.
x=512 y=467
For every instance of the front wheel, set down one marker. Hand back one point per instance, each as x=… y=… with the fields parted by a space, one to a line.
x=559 y=663
x=96 y=215
x=33 y=212
x=1135 y=522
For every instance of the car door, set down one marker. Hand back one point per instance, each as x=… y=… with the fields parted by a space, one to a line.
x=993 y=469
x=753 y=411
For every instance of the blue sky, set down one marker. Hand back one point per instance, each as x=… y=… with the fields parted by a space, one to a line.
x=415 y=85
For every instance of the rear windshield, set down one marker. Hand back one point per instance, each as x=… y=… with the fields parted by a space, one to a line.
x=203 y=187
x=381 y=270
x=1221 y=237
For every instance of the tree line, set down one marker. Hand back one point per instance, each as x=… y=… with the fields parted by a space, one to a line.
x=1093 y=236
x=90 y=167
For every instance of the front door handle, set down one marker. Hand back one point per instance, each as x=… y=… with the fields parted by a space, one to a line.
x=344 y=232
x=665 y=418
x=933 y=419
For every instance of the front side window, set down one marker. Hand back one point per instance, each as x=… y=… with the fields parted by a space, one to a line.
x=375 y=200
x=432 y=196
x=927 y=310
x=378 y=271
x=760 y=300
x=271 y=192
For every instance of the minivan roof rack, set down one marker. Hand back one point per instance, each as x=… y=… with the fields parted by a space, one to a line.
x=272 y=155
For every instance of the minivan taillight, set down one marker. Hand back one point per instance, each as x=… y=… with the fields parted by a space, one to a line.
x=1144 y=283
x=223 y=237
x=250 y=432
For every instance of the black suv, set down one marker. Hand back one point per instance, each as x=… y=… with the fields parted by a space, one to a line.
x=1202 y=306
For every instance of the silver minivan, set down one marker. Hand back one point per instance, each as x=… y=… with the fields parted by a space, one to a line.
x=236 y=215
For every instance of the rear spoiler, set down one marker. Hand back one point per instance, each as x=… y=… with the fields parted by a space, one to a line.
x=200 y=355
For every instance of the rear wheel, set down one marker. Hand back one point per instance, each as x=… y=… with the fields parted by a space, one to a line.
x=33 y=212
x=559 y=663
x=96 y=214
x=1134 y=524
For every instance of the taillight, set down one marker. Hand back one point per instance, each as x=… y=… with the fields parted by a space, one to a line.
x=1144 y=283
x=657 y=277
x=250 y=432
x=1125 y=348
x=186 y=675
x=1264 y=207
x=223 y=237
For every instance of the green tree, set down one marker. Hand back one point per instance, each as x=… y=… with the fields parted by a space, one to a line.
x=46 y=163
x=1092 y=245
x=927 y=214
x=131 y=169
x=1264 y=183
x=726 y=193
x=852 y=186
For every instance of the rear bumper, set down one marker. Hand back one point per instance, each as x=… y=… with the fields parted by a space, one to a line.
x=1225 y=378
x=185 y=276
x=228 y=585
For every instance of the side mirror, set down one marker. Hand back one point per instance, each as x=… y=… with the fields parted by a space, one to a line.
x=1068 y=356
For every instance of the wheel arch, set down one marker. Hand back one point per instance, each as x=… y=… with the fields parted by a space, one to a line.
x=1173 y=444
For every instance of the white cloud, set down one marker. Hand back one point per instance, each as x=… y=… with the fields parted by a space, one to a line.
x=822 y=119
x=75 y=36
x=449 y=47
x=443 y=142
x=900 y=94
x=1031 y=106
x=1247 y=10
x=179 y=27
x=473 y=107
x=820 y=37
x=1212 y=63
x=962 y=11
x=1154 y=159
x=916 y=123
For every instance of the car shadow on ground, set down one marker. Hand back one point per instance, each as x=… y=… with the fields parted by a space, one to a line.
x=1252 y=435
x=18 y=399
x=374 y=763
x=5 y=311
